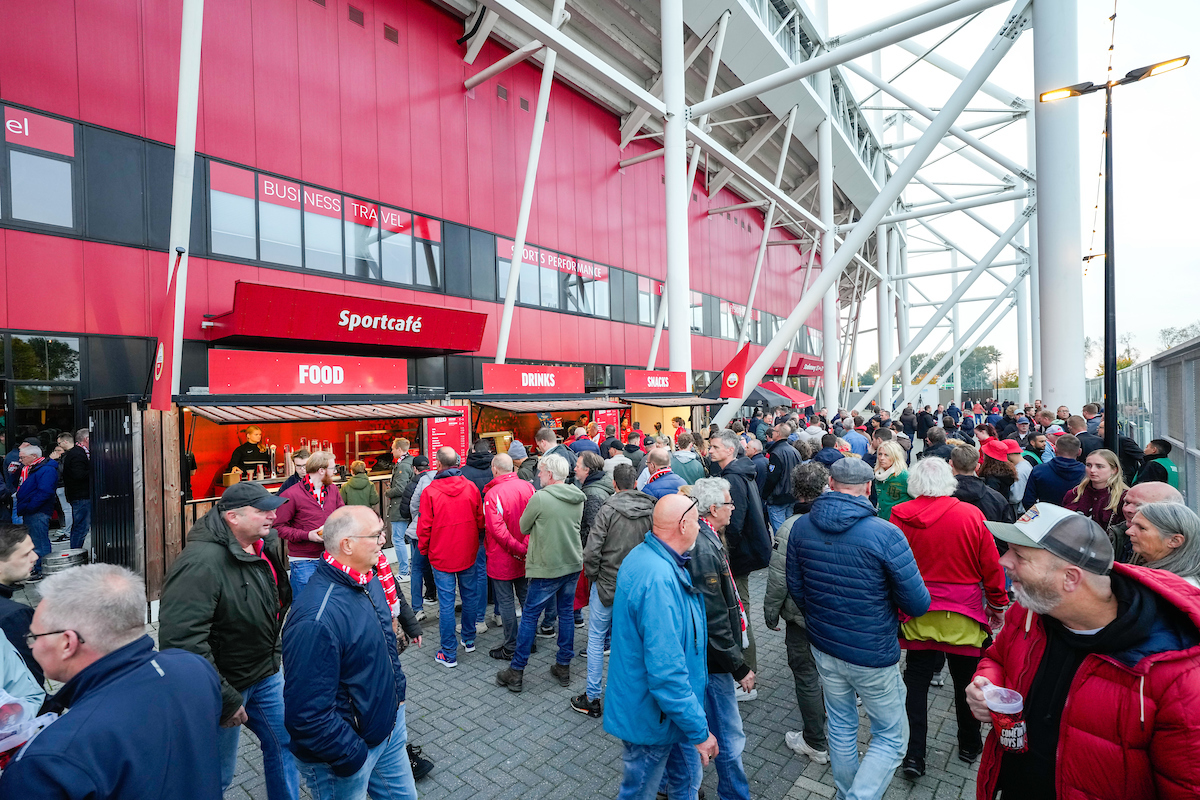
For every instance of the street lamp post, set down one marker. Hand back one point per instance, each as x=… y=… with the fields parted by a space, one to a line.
x=1110 y=284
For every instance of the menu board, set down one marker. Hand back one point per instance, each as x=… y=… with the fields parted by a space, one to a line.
x=607 y=416
x=449 y=432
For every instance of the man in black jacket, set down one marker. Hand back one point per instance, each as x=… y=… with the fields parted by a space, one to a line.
x=346 y=714
x=935 y=444
x=727 y=624
x=225 y=599
x=782 y=459
x=971 y=488
x=17 y=558
x=746 y=535
x=478 y=469
x=76 y=478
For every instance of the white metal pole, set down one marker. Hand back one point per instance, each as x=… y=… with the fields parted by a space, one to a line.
x=512 y=59
x=1022 y=343
x=535 y=153
x=951 y=68
x=660 y=319
x=832 y=269
x=678 y=294
x=1056 y=64
x=191 y=35
x=905 y=331
x=709 y=85
x=1035 y=307
x=946 y=208
x=957 y=395
x=829 y=305
x=883 y=302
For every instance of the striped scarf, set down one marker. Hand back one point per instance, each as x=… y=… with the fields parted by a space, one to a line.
x=382 y=569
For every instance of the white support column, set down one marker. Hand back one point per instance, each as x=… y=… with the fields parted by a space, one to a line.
x=1023 y=343
x=660 y=319
x=905 y=332
x=829 y=304
x=957 y=396
x=185 y=165
x=1056 y=64
x=677 y=298
x=535 y=153
x=1035 y=306
x=883 y=304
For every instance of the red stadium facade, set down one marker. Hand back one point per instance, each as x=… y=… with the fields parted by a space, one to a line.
x=338 y=153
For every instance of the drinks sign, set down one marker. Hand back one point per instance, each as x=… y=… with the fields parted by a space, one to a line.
x=522 y=379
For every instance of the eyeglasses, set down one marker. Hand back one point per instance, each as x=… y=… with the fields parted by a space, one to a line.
x=730 y=503
x=30 y=638
x=379 y=535
x=688 y=510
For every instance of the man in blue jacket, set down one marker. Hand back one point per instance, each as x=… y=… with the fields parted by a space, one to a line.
x=662 y=480
x=659 y=659
x=141 y=722
x=344 y=700
x=849 y=571
x=35 y=499
x=1049 y=482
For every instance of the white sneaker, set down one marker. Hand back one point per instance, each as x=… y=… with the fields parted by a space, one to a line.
x=402 y=578
x=795 y=742
x=938 y=680
x=421 y=615
x=743 y=696
x=497 y=621
x=518 y=612
x=480 y=627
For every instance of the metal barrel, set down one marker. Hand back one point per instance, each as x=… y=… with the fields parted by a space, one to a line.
x=57 y=562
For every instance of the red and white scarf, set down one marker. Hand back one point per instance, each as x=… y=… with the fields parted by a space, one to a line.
x=318 y=494
x=733 y=583
x=25 y=469
x=382 y=570
x=658 y=474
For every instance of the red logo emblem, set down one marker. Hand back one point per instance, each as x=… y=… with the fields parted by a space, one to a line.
x=732 y=380
x=159 y=358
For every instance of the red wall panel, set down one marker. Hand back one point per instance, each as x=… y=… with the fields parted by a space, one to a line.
x=360 y=135
x=276 y=78
x=31 y=304
x=38 y=61
x=115 y=280
x=393 y=114
x=110 y=64
x=159 y=43
x=320 y=103
x=227 y=82
x=425 y=124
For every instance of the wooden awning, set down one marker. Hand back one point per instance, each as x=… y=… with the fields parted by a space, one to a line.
x=243 y=414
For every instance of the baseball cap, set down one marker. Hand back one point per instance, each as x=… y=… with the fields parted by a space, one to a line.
x=1013 y=447
x=1055 y=430
x=995 y=448
x=1072 y=537
x=1022 y=420
x=421 y=462
x=245 y=494
x=851 y=471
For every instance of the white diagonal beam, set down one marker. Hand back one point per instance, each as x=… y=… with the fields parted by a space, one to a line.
x=746 y=152
x=929 y=211
x=480 y=37
x=950 y=68
x=637 y=118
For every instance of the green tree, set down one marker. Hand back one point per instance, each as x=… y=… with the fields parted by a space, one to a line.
x=869 y=377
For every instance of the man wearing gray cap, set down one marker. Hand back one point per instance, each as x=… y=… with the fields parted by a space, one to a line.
x=1078 y=645
x=225 y=599
x=849 y=572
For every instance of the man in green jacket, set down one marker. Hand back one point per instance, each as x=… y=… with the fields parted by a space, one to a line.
x=225 y=599
x=402 y=473
x=552 y=566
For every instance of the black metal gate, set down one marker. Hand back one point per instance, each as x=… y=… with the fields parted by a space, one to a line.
x=114 y=508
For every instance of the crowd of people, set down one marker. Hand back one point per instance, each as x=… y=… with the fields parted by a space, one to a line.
x=1006 y=546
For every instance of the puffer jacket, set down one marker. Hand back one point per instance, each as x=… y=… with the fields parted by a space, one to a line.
x=1129 y=727
x=663 y=484
x=450 y=523
x=227 y=605
x=478 y=470
x=849 y=571
x=504 y=501
x=776 y=602
x=710 y=574
x=36 y=494
x=971 y=489
x=658 y=652
x=620 y=525
x=783 y=458
x=402 y=475
x=746 y=536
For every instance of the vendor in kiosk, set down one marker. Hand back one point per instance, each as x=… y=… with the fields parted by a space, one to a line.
x=251 y=455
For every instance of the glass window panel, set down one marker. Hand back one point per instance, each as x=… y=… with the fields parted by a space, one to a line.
x=600 y=301
x=645 y=312
x=696 y=305
x=429 y=264
x=576 y=293
x=231 y=210
x=41 y=189
x=45 y=358
x=279 y=221
x=46 y=408
x=397 y=229
x=322 y=230
x=362 y=239
x=549 y=287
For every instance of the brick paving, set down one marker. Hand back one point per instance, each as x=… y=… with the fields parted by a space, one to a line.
x=489 y=743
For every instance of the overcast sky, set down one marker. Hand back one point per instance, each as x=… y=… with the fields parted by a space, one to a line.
x=1155 y=123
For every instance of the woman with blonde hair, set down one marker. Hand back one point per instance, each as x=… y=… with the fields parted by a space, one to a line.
x=891 y=478
x=251 y=454
x=1101 y=492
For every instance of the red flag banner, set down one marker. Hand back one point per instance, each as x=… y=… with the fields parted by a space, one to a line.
x=164 y=351
x=734 y=376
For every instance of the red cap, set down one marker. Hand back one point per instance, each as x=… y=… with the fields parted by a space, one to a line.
x=1014 y=447
x=995 y=448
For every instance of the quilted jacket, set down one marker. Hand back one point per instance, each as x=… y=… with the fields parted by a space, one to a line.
x=849 y=572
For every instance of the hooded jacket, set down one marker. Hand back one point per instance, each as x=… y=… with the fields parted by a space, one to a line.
x=451 y=522
x=635 y=455
x=686 y=464
x=782 y=459
x=1128 y=728
x=551 y=521
x=402 y=475
x=478 y=470
x=1049 y=482
x=620 y=525
x=849 y=571
x=828 y=455
x=295 y=519
x=596 y=490
x=359 y=491
x=504 y=500
x=710 y=574
x=411 y=499
x=993 y=506
x=658 y=652
x=140 y=725
x=227 y=605
x=746 y=535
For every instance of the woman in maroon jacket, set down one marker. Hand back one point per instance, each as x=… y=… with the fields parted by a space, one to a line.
x=504 y=500
x=960 y=565
x=1101 y=493
x=300 y=521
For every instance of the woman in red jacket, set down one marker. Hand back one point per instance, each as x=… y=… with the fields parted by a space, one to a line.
x=959 y=562
x=1101 y=493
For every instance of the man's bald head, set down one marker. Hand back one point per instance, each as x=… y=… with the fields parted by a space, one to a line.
x=502 y=464
x=1146 y=493
x=658 y=458
x=677 y=521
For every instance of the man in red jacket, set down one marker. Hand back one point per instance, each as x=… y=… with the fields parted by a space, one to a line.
x=448 y=531
x=302 y=521
x=1079 y=645
x=504 y=500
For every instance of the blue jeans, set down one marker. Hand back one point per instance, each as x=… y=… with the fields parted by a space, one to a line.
x=725 y=723
x=264 y=710
x=646 y=765
x=883 y=694
x=399 y=529
x=416 y=582
x=777 y=515
x=481 y=588
x=508 y=609
x=468 y=584
x=386 y=774
x=39 y=530
x=81 y=522
x=599 y=629
x=299 y=572
x=542 y=593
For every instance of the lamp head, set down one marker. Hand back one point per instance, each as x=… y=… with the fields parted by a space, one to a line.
x=1067 y=91
x=1156 y=69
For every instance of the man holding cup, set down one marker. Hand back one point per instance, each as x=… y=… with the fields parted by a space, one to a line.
x=1076 y=653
